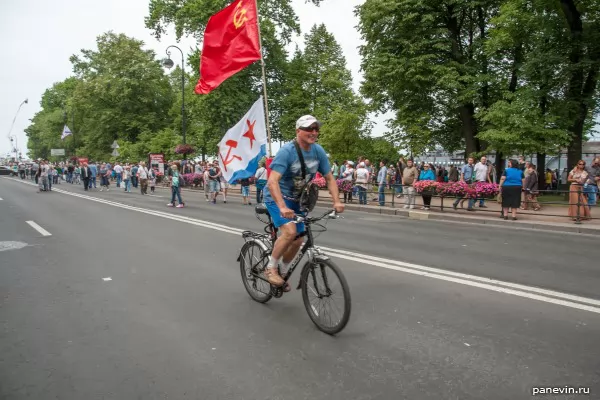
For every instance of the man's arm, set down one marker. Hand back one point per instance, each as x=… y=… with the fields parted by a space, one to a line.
x=275 y=190
x=335 y=194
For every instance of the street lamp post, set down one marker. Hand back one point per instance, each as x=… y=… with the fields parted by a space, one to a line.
x=14 y=137
x=168 y=63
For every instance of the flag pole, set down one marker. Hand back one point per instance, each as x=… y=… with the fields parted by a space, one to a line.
x=264 y=78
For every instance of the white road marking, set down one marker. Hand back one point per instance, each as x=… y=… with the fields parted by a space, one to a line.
x=107 y=279
x=1 y=199
x=529 y=292
x=12 y=245
x=38 y=228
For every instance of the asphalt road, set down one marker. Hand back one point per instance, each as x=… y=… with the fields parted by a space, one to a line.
x=176 y=323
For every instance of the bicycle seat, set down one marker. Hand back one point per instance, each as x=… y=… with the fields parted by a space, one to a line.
x=261 y=209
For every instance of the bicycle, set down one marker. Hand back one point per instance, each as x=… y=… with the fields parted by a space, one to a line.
x=254 y=257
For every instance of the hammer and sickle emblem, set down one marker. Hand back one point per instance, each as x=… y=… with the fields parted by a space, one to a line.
x=239 y=17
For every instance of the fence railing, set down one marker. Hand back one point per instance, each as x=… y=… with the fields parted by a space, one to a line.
x=578 y=202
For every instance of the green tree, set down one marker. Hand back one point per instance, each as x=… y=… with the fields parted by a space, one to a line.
x=423 y=61
x=46 y=126
x=123 y=94
x=319 y=83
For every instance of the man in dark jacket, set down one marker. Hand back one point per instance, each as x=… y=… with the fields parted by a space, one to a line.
x=86 y=174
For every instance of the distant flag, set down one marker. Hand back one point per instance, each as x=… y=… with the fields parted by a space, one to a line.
x=66 y=132
x=244 y=145
x=231 y=43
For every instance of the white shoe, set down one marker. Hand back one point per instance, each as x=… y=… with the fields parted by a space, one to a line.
x=102 y=190
x=405 y=207
x=412 y=207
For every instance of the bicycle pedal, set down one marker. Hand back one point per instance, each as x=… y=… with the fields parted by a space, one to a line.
x=276 y=292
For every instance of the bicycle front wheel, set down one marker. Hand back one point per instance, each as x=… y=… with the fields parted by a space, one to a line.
x=253 y=262
x=326 y=296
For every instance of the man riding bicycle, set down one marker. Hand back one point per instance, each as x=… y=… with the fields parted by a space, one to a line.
x=281 y=193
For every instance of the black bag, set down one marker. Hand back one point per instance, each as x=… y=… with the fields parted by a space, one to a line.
x=305 y=193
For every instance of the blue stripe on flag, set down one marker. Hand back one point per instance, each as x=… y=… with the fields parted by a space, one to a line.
x=251 y=167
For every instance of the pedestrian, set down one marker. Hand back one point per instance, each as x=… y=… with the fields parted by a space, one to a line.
x=381 y=181
x=245 y=191
x=335 y=170
x=531 y=187
x=224 y=188
x=134 y=175
x=348 y=175
x=261 y=181
x=214 y=175
x=206 y=182
x=86 y=174
x=152 y=179
x=467 y=176
x=175 y=189
x=104 y=174
x=590 y=187
x=511 y=184
x=361 y=177
x=143 y=177
x=481 y=173
x=126 y=175
x=42 y=176
x=50 y=176
x=427 y=174
x=118 y=169
x=94 y=174
x=578 y=203
x=409 y=177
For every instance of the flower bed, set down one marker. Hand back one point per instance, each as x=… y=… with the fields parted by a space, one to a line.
x=192 y=179
x=426 y=187
x=344 y=185
x=486 y=190
x=478 y=190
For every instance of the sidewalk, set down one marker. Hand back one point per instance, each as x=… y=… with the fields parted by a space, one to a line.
x=550 y=218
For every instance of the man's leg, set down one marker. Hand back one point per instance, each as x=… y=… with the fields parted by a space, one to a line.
x=282 y=247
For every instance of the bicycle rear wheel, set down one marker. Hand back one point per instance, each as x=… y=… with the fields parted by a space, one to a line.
x=253 y=261
x=324 y=290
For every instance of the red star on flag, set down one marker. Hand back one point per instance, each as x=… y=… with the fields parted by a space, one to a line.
x=250 y=132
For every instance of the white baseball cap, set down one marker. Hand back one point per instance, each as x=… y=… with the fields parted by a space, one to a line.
x=306 y=120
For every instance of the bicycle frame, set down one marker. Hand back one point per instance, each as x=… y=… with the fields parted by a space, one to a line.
x=314 y=253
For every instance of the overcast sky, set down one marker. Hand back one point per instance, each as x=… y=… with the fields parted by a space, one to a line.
x=39 y=36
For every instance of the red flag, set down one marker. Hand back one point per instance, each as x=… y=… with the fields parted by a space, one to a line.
x=231 y=43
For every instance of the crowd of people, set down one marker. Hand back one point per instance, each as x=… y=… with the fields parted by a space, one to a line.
x=520 y=182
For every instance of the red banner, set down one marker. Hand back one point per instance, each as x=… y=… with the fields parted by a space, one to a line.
x=230 y=44
x=82 y=160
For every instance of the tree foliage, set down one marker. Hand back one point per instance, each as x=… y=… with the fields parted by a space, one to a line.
x=505 y=75
x=119 y=92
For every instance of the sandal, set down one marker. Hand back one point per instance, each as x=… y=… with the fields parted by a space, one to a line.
x=273 y=277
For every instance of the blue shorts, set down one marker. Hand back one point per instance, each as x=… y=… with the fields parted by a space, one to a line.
x=245 y=191
x=278 y=220
x=213 y=186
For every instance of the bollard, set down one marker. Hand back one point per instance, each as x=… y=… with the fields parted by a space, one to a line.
x=578 y=220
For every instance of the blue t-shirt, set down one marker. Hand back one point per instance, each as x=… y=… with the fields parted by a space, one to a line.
x=287 y=163
x=514 y=177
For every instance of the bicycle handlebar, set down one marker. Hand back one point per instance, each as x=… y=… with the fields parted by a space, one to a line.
x=331 y=214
